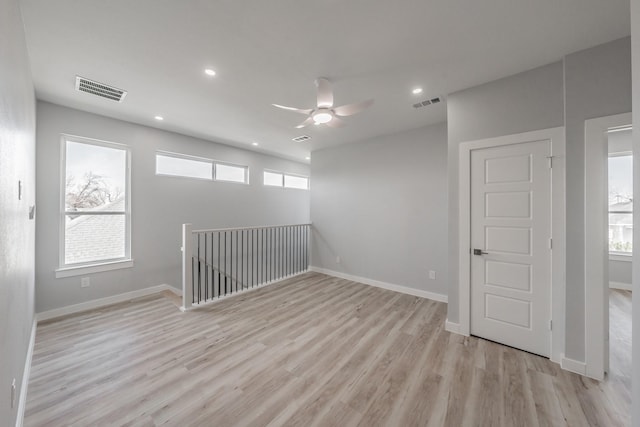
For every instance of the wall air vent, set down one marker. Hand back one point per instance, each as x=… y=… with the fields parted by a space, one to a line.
x=427 y=102
x=100 y=89
x=301 y=138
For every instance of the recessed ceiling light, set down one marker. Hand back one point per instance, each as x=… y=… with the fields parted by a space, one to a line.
x=255 y=144
x=209 y=72
x=307 y=158
x=417 y=91
x=159 y=118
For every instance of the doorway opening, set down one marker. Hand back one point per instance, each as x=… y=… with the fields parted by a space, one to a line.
x=620 y=248
x=608 y=244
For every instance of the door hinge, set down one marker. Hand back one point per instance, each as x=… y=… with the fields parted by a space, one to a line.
x=550 y=161
x=551 y=325
x=550 y=243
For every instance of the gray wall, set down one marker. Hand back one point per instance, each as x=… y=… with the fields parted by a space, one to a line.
x=597 y=83
x=17 y=238
x=588 y=84
x=159 y=204
x=620 y=272
x=527 y=101
x=635 y=49
x=380 y=205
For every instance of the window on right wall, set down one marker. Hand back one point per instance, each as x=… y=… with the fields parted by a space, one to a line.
x=620 y=203
x=285 y=180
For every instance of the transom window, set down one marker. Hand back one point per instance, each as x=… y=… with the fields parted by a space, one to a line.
x=285 y=180
x=174 y=164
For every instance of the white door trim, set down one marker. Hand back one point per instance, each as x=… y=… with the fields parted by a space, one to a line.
x=596 y=256
x=557 y=138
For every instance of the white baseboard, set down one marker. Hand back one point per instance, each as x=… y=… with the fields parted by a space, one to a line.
x=452 y=327
x=574 y=366
x=22 y=399
x=620 y=285
x=388 y=286
x=101 y=302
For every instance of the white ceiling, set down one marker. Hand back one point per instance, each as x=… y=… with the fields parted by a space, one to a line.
x=270 y=51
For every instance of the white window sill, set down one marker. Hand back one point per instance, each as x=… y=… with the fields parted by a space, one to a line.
x=93 y=268
x=621 y=257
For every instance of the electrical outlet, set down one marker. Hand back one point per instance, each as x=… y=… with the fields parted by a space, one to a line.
x=432 y=275
x=338 y=260
x=85 y=282
x=13 y=393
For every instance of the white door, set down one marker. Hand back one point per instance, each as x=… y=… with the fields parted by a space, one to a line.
x=511 y=245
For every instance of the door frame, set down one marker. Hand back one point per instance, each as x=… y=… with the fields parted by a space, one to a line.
x=596 y=253
x=557 y=138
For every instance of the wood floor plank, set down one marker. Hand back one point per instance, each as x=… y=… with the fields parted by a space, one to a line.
x=313 y=350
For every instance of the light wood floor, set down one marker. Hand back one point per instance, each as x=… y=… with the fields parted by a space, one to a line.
x=311 y=351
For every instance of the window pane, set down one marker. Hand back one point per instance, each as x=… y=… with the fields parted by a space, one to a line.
x=230 y=173
x=291 y=181
x=620 y=203
x=273 y=178
x=95 y=177
x=621 y=232
x=189 y=168
x=94 y=238
x=620 y=181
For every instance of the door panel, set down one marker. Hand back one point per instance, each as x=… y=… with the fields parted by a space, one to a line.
x=511 y=225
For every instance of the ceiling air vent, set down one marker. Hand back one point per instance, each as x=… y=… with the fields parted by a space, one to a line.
x=301 y=138
x=427 y=102
x=100 y=89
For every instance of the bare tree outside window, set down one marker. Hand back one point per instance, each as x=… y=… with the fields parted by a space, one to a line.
x=95 y=203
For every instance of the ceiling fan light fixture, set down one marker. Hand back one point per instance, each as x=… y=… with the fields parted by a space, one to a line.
x=322 y=117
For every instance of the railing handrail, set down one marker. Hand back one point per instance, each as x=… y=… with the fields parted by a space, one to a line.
x=263 y=227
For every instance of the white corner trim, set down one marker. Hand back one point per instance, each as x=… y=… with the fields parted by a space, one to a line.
x=384 y=285
x=22 y=400
x=452 y=327
x=620 y=285
x=574 y=366
x=170 y=288
x=101 y=302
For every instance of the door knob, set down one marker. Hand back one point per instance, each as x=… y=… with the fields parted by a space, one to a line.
x=479 y=252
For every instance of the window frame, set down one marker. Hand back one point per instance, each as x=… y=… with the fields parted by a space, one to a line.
x=212 y=162
x=273 y=172
x=183 y=157
x=75 y=269
x=284 y=175
x=618 y=255
x=215 y=172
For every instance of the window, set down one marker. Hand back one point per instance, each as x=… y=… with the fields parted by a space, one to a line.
x=168 y=164
x=620 y=203
x=95 y=219
x=273 y=179
x=280 y=179
x=294 y=181
x=173 y=164
x=231 y=173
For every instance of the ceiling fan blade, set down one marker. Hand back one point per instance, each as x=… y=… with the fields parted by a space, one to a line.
x=336 y=122
x=351 y=109
x=305 y=123
x=325 y=93
x=297 y=110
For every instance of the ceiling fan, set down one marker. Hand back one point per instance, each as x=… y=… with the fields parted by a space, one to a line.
x=325 y=112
